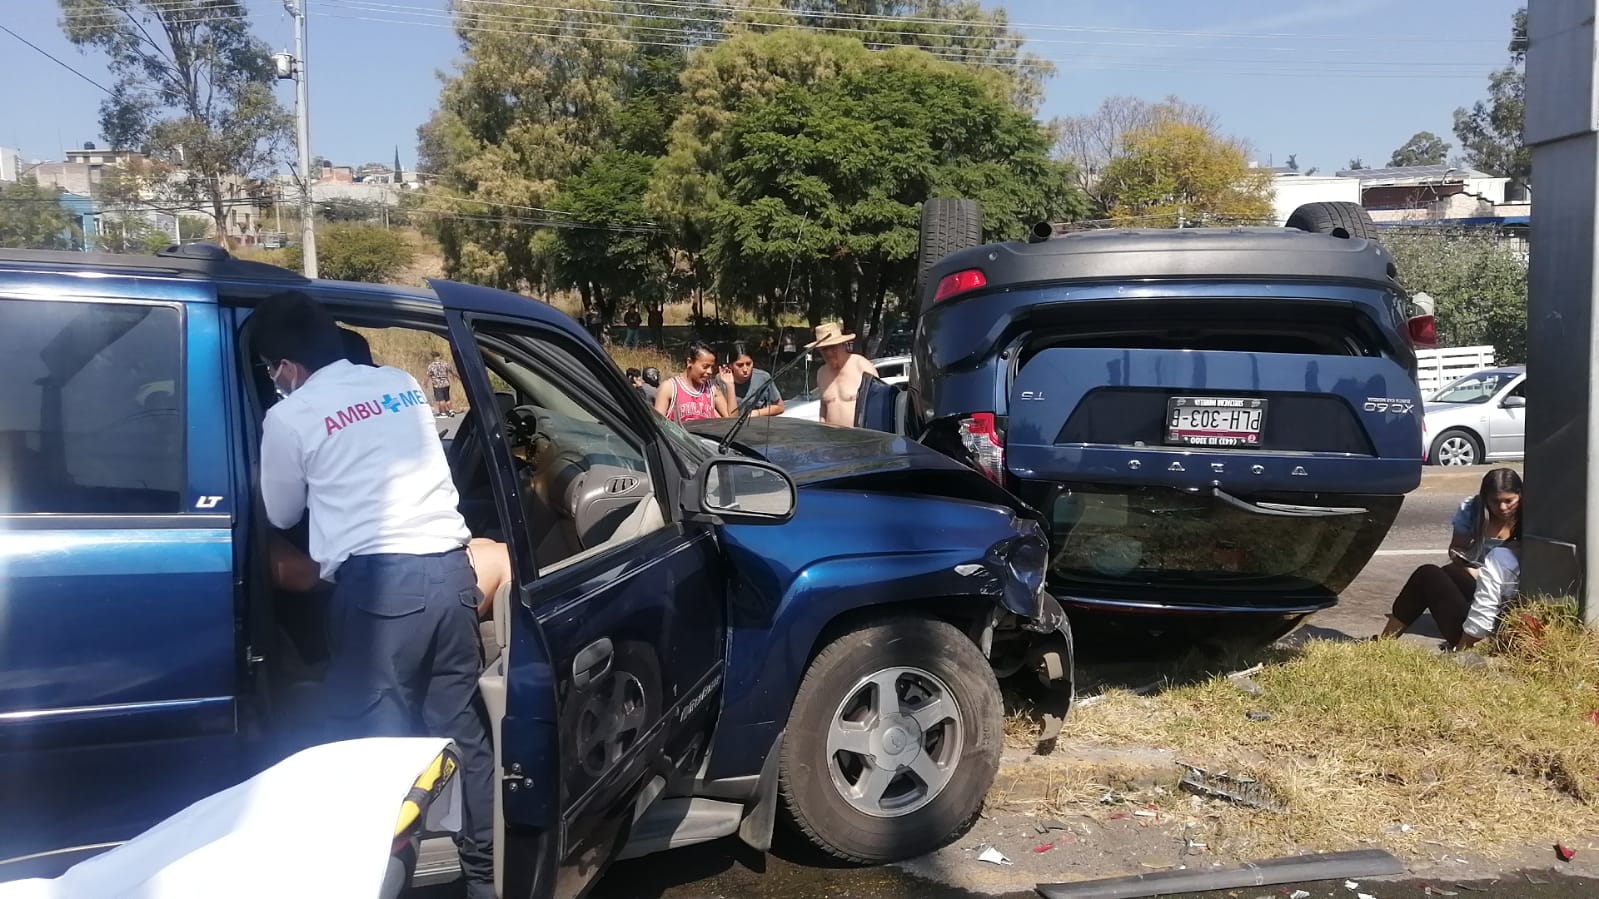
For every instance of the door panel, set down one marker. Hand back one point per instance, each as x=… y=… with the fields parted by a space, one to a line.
x=118 y=624
x=616 y=646
x=1507 y=428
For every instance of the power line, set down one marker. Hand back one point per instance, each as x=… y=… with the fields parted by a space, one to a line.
x=593 y=31
x=46 y=54
x=716 y=6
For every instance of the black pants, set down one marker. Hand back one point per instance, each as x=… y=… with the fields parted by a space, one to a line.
x=403 y=635
x=1444 y=591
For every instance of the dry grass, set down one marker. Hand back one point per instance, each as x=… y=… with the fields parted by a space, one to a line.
x=1364 y=737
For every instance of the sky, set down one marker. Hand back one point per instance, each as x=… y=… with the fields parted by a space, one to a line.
x=1327 y=81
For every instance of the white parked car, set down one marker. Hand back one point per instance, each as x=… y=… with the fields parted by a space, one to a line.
x=892 y=369
x=1479 y=418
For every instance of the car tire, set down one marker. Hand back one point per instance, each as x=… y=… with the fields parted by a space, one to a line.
x=1338 y=219
x=1456 y=447
x=843 y=787
x=947 y=225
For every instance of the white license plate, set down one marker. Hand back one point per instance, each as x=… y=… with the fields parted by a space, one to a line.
x=1214 y=421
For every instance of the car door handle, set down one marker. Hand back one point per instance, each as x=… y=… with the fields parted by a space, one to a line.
x=592 y=663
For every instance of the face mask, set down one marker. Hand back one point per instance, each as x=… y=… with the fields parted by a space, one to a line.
x=283 y=389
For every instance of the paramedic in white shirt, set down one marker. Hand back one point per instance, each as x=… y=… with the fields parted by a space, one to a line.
x=357 y=446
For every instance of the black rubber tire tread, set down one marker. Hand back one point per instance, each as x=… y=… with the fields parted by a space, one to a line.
x=1339 y=219
x=1476 y=442
x=810 y=801
x=947 y=225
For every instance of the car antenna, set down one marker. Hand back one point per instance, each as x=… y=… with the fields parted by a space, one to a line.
x=748 y=405
x=750 y=402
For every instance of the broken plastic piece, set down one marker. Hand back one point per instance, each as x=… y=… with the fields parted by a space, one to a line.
x=1258 y=716
x=1299 y=894
x=1045 y=847
x=1436 y=891
x=1566 y=853
x=994 y=857
x=1364 y=896
x=1351 y=885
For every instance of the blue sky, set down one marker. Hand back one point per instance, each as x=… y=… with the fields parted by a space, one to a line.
x=1324 y=80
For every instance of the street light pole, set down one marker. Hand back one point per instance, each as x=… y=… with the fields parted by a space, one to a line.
x=296 y=8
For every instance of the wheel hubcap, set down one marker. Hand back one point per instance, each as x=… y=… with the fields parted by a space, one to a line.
x=1457 y=451
x=894 y=742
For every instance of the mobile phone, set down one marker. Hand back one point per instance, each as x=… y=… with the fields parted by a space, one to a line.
x=1464 y=559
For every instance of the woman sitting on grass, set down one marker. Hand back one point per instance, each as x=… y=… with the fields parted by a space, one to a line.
x=1465 y=595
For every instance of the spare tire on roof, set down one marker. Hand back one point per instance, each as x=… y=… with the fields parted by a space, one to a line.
x=947 y=225
x=1338 y=219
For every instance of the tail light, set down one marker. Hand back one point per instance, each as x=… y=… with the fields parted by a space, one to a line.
x=980 y=435
x=1424 y=331
x=958 y=283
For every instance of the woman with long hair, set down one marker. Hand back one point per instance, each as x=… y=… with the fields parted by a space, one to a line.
x=1487 y=533
x=693 y=395
x=741 y=382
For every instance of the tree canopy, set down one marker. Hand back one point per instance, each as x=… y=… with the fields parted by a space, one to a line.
x=32 y=217
x=193 y=90
x=1423 y=148
x=1178 y=172
x=1490 y=131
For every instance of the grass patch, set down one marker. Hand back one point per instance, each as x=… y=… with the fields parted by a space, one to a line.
x=1363 y=737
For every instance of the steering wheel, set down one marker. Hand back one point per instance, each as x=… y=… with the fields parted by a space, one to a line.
x=529 y=426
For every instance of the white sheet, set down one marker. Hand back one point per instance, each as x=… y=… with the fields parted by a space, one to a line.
x=318 y=824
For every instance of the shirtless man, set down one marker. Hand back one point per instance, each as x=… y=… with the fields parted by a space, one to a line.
x=840 y=379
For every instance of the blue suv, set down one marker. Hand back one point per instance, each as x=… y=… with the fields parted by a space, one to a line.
x=1219 y=423
x=696 y=641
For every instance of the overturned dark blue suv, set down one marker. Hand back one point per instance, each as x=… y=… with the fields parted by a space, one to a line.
x=1219 y=423
x=696 y=642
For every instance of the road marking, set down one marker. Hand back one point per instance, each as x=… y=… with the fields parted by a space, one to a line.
x=1408 y=552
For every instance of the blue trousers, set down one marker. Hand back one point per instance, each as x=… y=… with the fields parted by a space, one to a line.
x=403 y=635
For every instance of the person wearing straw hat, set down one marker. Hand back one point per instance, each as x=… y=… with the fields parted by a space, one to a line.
x=840 y=379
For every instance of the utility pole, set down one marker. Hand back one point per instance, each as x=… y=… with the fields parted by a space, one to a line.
x=1560 y=552
x=294 y=67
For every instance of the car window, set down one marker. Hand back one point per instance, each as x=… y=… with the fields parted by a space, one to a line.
x=93 y=417
x=1474 y=388
x=586 y=480
x=890 y=370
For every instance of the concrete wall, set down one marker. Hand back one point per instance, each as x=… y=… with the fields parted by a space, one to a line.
x=1293 y=191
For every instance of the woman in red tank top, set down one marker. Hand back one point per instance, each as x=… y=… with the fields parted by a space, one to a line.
x=692 y=395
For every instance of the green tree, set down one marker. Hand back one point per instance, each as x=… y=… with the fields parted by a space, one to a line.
x=1477 y=277
x=353 y=252
x=610 y=264
x=1090 y=142
x=961 y=31
x=533 y=101
x=32 y=217
x=1176 y=172
x=1423 y=148
x=824 y=182
x=193 y=89
x=1490 y=131
x=1357 y=164
x=125 y=225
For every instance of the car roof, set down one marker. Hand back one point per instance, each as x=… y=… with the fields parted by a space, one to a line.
x=211 y=264
x=1144 y=253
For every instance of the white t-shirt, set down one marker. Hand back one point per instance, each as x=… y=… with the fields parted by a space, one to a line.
x=357 y=445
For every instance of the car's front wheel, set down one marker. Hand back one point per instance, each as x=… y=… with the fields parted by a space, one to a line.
x=1456 y=447
x=893 y=741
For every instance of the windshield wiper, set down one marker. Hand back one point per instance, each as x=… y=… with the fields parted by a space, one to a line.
x=751 y=401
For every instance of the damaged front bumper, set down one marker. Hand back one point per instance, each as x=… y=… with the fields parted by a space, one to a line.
x=1028 y=631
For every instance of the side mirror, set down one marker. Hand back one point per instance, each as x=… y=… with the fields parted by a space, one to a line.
x=1514 y=402
x=732 y=490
